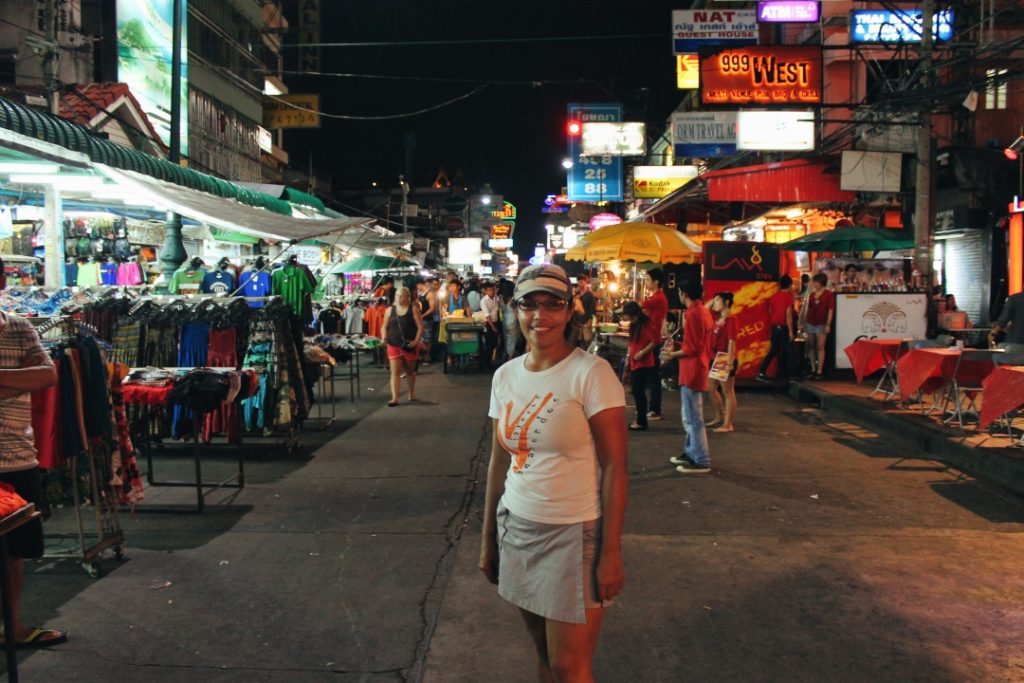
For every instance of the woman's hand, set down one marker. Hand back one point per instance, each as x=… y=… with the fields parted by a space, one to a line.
x=611 y=576
x=489 y=558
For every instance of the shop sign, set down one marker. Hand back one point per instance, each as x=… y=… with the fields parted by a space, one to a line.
x=291 y=111
x=144 y=49
x=687 y=72
x=694 y=28
x=655 y=182
x=594 y=178
x=878 y=316
x=741 y=261
x=507 y=212
x=307 y=254
x=501 y=231
x=602 y=220
x=454 y=223
x=703 y=133
x=899 y=26
x=557 y=208
x=775 y=130
x=454 y=204
x=789 y=11
x=761 y=75
x=500 y=243
x=266 y=139
x=871 y=171
x=464 y=250
x=617 y=139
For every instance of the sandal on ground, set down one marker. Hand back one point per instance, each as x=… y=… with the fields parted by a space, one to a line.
x=715 y=423
x=392 y=404
x=635 y=427
x=41 y=637
x=725 y=430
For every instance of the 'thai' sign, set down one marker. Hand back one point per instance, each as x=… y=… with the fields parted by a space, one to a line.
x=761 y=75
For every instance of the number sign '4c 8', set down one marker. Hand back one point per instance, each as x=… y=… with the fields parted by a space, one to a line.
x=758 y=74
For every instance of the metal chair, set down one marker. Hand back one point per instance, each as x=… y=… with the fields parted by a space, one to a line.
x=959 y=392
x=937 y=343
x=1011 y=357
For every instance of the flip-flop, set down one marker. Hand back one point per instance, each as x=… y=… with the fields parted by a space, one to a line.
x=42 y=637
x=392 y=404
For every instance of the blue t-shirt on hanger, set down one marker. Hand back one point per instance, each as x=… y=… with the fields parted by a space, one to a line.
x=254 y=283
x=108 y=273
x=218 y=282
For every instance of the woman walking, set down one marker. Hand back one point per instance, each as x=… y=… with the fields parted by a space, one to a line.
x=724 y=392
x=821 y=308
x=403 y=331
x=643 y=340
x=556 y=483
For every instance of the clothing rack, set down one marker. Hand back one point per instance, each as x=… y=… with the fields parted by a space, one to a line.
x=108 y=533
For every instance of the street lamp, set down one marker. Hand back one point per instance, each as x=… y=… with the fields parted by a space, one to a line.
x=405 y=200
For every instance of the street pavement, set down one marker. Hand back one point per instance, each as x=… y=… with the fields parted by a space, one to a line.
x=815 y=551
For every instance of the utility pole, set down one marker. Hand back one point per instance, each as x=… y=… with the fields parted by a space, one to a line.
x=923 y=189
x=172 y=252
x=51 y=58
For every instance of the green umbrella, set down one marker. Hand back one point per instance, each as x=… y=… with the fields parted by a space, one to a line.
x=855 y=238
x=374 y=263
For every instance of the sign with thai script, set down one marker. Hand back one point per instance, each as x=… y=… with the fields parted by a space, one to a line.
x=789 y=11
x=900 y=26
x=594 y=178
x=703 y=133
x=655 y=182
x=694 y=28
x=291 y=111
x=761 y=75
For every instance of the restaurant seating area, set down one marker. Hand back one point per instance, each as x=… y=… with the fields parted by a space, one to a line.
x=968 y=389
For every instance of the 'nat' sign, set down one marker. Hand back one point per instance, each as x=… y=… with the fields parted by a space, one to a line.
x=761 y=75
x=693 y=28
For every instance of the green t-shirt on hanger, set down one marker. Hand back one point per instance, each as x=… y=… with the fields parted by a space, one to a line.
x=291 y=284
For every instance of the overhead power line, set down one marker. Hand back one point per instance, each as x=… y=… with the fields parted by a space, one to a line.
x=477 y=41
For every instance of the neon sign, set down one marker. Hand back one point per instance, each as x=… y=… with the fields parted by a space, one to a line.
x=761 y=75
x=901 y=26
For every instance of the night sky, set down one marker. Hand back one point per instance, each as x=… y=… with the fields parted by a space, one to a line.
x=509 y=134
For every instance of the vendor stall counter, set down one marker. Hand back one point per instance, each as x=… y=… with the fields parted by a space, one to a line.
x=877 y=315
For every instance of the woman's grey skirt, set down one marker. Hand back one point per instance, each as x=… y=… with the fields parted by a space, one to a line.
x=549 y=569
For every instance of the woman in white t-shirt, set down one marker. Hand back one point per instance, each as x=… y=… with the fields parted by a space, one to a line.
x=557 y=482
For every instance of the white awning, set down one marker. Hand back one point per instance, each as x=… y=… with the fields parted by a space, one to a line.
x=229 y=214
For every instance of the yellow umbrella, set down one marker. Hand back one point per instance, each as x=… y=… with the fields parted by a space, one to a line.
x=641 y=242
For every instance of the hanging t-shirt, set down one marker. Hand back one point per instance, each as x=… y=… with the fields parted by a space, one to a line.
x=88 y=275
x=218 y=282
x=554 y=476
x=330 y=321
x=108 y=273
x=291 y=284
x=254 y=283
x=186 y=281
x=129 y=274
x=6 y=222
x=354 y=319
x=70 y=274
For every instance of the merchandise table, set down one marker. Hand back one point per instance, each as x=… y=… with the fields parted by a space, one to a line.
x=869 y=355
x=1004 y=393
x=146 y=395
x=7 y=525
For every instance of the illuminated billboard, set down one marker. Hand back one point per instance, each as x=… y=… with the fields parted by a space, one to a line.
x=900 y=26
x=758 y=74
x=144 y=50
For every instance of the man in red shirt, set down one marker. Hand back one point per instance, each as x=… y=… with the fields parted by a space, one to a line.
x=656 y=308
x=780 y=318
x=694 y=363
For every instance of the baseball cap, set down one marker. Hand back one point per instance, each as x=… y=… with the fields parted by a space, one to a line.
x=548 y=279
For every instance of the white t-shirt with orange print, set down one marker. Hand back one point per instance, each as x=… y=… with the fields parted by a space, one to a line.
x=554 y=476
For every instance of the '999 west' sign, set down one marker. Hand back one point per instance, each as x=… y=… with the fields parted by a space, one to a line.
x=759 y=74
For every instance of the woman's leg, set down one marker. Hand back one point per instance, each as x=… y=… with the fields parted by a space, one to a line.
x=639 y=379
x=820 y=340
x=571 y=647
x=729 y=390
x=812 y=351
x=716 y=398
x=396 y=380
x=410 y=378
x=535 y=624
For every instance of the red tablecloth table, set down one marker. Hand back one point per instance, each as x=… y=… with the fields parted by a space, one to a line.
x=869 y=355
x=1004 y=391
x=925 y=370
